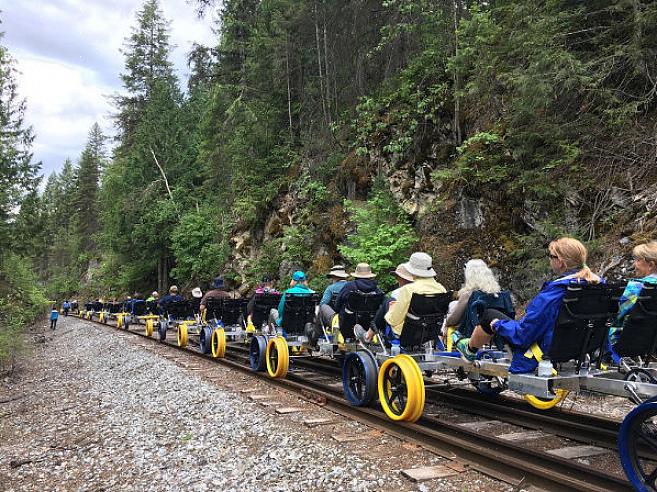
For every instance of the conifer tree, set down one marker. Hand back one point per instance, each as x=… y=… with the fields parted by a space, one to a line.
x=91 y=162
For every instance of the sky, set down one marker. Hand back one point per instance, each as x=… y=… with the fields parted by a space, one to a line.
x=67 y=53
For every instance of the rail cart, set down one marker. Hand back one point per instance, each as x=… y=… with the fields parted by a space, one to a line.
x=576 y=354
x=271 y=351
x=223 y=321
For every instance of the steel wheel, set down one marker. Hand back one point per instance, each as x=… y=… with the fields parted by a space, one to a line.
x=639 y=430
x=258 y=353
x=278 y=357
x=182 y=335
x=149 y=327
x=401 y=389
x=218 y=343
x=359 y=378
x=639 y=375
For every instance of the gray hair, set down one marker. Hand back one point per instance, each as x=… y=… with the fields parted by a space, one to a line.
x=479 y=277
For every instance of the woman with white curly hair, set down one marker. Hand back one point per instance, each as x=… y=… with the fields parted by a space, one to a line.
x=480 y=290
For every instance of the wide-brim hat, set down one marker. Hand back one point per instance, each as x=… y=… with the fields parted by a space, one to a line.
x=197 y=292
x=419 y=265
x=218 y=283
x=401 y=272
x=337 y=271
x=363 y=270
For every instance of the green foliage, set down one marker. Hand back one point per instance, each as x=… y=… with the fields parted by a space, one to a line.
x=200 y=245
x=21 y=302
x=384 y=237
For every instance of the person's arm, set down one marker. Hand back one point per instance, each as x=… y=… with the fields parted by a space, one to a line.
x=326 y=297
x=281 y=306
x=541 y=316
x=342 y=298
x=454 y=318
x=399 y=309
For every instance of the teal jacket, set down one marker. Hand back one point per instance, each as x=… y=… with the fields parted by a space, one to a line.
x=297 y=289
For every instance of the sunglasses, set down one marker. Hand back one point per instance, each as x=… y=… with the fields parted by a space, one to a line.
x=552 y=257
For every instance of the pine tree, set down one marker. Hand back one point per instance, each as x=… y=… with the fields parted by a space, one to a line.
x=91 y=162
x=17 y=172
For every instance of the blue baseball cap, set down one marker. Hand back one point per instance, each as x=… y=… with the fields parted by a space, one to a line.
x=298 y=276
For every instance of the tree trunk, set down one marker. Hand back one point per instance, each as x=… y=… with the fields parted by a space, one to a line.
x=319 y=64
x=326 y=70
x=289 y=93
x=457 y=104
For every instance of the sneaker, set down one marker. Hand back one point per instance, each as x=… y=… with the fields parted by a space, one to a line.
x=462 y=345
x=360 y=333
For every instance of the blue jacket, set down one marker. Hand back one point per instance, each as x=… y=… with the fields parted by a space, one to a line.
x=362 y=284
x=536 y=326
x=334 y=288
x=54 y=314
x=478 y=302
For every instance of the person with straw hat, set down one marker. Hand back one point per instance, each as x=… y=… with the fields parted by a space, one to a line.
x=364 y=281
x=403 y=278
x=338 y=276
x=419 y=266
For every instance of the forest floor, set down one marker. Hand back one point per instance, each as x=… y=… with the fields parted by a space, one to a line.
x=92 y=409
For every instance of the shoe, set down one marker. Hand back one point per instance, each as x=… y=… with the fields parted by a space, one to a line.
x=360 y=333
x=462 y=345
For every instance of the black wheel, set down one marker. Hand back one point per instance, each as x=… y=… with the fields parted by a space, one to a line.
x=205 y=340
x=639 y=375
x=162 y=330
x=639 y=433
x=359 y=378
x=257 y=351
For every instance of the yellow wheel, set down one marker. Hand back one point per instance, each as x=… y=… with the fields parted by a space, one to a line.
x=119 y=321
x=278 y=357
x=149 y=327
x=401 y=389
x=250 y=327
x=218 y=343
x=101 y=318
x=297 y=350
x=547 y=403
x=182 y=335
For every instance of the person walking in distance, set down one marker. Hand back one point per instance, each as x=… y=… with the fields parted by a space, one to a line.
x=54 y=314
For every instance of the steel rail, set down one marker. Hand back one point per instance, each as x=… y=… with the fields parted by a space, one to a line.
x=493 y=456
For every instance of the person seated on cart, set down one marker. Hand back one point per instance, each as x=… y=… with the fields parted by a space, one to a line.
x=480 y=291
x=403 y=278
x=645 y=266
x=364 y=281
x=420 y=267
x=195 y=302
x=172 y=296
x=218 y=292
x=155 y=296
x=266 y=287
x=568 y=260
x=338 y=276
x=298 y=286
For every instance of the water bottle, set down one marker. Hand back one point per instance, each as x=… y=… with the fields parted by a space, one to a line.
x=545 y=368
x=395 y=349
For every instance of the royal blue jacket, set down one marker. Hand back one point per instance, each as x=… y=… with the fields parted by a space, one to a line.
x=536 y=326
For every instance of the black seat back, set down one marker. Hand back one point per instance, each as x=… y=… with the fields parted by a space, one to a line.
x=299 y=309
x=180 y=309
x=424 y=318
x=89 y=306
x=97 y=306
x=114 y=307
x=639 y=335
x=228 y=311
x=263 y=303
x=583 y=322
x=151 y=307
x=360 y=307
x=138 y=307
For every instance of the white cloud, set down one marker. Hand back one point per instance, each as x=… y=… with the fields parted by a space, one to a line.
x=68 y=56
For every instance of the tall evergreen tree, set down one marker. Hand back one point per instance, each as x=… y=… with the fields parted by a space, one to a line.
x=17 y=172
x=91 y=162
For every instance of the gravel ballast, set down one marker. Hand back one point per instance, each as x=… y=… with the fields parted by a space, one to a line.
x=96 y=409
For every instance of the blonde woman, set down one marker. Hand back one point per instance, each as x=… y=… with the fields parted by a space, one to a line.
x=567 y=258
x=480 y=291
x=645 y=266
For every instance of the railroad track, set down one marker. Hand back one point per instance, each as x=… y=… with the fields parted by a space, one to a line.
x=512 y=460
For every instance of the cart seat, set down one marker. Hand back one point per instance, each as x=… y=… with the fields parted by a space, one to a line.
x=424 y=319
x=360 y=307
x=228 y=311
x=583 y=321
x=639 y=335
x=299 y=310
x=263 y=303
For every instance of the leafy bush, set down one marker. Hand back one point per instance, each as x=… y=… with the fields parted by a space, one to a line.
x=21 y=302
x=384 y=236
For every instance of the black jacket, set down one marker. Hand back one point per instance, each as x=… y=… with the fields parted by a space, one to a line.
x=362 y=284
